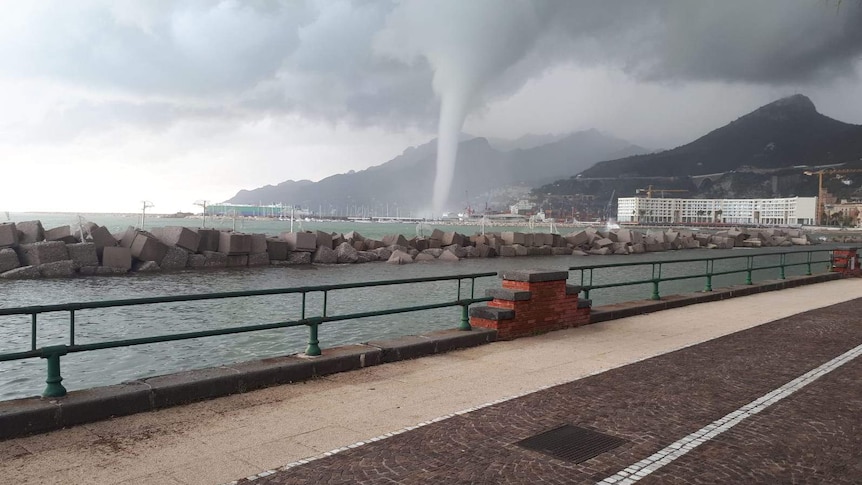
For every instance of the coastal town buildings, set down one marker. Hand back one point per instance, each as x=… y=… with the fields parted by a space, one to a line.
x=779 y=212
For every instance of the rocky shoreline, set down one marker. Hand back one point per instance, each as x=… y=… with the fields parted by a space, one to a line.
x=27 y=250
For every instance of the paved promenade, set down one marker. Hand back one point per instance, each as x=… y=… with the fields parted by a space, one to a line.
x=776 y=399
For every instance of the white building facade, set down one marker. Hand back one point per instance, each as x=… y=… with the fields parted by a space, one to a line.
x=790 y=211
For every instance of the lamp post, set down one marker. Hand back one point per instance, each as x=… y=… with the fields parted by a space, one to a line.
x=145 y=205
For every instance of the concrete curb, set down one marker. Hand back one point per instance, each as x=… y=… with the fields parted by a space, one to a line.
x=21 y=417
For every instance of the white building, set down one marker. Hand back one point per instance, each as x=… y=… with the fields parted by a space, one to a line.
x=789 y=211
x=522 y=205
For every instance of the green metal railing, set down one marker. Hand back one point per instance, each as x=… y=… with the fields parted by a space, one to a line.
x=656 y=278
x=53 y=353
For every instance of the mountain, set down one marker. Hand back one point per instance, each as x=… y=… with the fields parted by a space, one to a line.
x=783 y=133
x=406 y=181
x=524 y=142
x=764 y=153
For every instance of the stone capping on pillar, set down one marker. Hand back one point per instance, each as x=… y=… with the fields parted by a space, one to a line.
x=530 y=302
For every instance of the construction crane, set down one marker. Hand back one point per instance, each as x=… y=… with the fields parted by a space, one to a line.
x=820 y=174
x=649 y=190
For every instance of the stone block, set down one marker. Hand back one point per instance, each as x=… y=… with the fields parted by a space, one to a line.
x=8 y=259
x=419 y=243
x=383 y=254
x=448 y=256
x=337 y=239
x=258 y=244
x=600 y=251
x=800 y=241
x=529 y=240
x=179 y=236
x=42 y=252
x=423 y=257
x=435 y=244
x=450 y=238
x=521 y=250
x=215 y=259
x=22 y=273
x=556 y=251
x=62 y=233
x=357 y=245
x=175 y=258
x=208 y=240
x=456 y=250
x=83 y=254
x=485 y=251
x=258 y=259
x=579 y=238
x=30 y=232
x=8 y=235
x=277 y=249
x=366 y=256
x=300 y=241
x=324 y=239
x=57 y=269
x=237 y=260
x=602 y=243
x=117 y=257
x=147 y=247
x=437 y=234
x=623 y=235
x=638 y=248
x=234 y=243
x=372 y=244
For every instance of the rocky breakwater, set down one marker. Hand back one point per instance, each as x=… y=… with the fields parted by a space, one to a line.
x=27 y=250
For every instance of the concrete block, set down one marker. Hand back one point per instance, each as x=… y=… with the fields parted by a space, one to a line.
x=324 y=239
x=146 y=267
x=175 y=258
x=448 y=256
x=357 y=245
x=400 y=257
x=179 y=236
x=450 y=238
x=300 y=241
x=8 y=235
x=383 y=254
x=147 y=247
x=299 y=257
x=196 y=261
x=83 y=254
x=557 y=251
x=62 y=233
x=435 y=244
x=325 y=255
x=208 y=240
x=258 y=244
x=511 y=238
x=258 y=259
x=102 y=238
x=237 y=260
x=346 y=253
x=578 y=238
x=353 y=236
x=234 y=243
x=8 y=259
x=395 y=240
x=57 y=269
x=367 y=256
x=215 y=259
x=602 y=243
x=42 y=252
x=30 y=232
x=128 y=237
x=600 y=251
x=22 y=273
x=521 y=250
x=117 y=257
x=507 y=251
x=423 y=257
x=529 y=240
x=277 y=249
x=437 y=234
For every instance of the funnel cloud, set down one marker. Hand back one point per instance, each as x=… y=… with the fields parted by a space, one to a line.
x=258 y=92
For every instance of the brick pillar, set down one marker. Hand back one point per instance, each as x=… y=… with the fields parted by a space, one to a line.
x=846 y=260
x=532 y=302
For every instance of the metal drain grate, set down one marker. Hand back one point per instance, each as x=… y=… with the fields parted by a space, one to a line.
x=571 y=443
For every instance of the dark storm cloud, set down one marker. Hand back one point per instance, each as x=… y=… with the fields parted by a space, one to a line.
x=375 y=62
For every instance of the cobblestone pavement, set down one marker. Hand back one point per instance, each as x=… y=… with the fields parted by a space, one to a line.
x=812 y=436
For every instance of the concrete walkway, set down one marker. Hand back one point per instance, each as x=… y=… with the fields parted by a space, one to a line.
x=231 y=438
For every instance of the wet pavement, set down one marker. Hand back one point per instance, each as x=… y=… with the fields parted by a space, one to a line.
x=811 y=436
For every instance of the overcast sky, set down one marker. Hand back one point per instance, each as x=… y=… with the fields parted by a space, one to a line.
x=104 y=104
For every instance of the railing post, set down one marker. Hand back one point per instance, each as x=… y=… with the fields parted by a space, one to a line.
x=781 y=261
x=313 y=348
x=808 y=273
x=749 y=264
x=52 y=354
x=465 y=318
x=708 y=275
x=655 y=280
